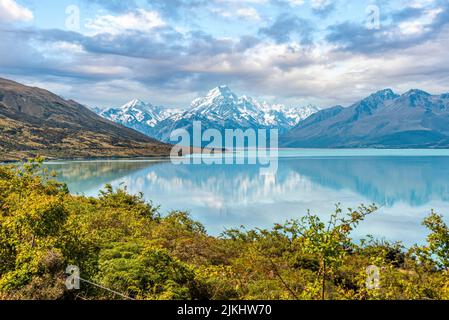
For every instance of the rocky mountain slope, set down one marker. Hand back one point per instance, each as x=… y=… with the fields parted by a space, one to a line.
x=35 y=122
x=415 y=119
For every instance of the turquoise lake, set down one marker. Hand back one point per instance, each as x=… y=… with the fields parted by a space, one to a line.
x=404 y=184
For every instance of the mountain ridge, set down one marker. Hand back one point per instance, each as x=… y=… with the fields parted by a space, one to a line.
x=35 y=121
x=220 y=108
x=415 y=119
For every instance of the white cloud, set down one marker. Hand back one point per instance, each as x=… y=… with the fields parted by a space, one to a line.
x=10 y=11
x=420 y=3
x=242 y=1
x=248 y=13
x=140 y=20
x=320 y=4
x=293 y=73
x=421 y=25
x=296 y=3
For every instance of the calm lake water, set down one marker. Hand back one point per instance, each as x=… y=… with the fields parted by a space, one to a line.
x=405 y=184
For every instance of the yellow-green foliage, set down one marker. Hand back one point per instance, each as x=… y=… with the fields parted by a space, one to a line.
x=122 y=243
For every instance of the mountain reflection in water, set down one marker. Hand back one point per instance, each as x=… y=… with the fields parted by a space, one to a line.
x=228 y=196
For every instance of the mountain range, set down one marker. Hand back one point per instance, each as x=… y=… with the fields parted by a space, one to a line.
x=34 y=121
x=219 y=109
x=138 y=115
x=385 y=119
x=415 y=119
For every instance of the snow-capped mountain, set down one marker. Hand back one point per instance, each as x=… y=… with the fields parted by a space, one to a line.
x=138 y=115
x=286 y=117
x=219 y=109
x=221 y=104
x=222 y=109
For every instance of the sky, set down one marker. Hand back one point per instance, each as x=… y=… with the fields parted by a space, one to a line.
x=103 y=53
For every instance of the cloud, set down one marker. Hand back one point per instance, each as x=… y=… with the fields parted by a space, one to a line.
x=402 y=32
x=115 y=68
x=10 y=11
x=144 y=53
x=177 y=9
x=291 y=3
x=246 y=42
x=288 y=25
x=139 y=20
x=407 y=14
x=322 y=7
x=248 y=13
x=114 y=5
x=174 y=8
x=296 y=3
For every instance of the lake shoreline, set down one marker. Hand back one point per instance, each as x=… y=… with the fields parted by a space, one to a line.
x=105 y=158
x=198 y=151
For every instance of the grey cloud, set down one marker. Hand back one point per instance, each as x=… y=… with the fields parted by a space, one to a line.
x=135 y=44
x=152 y=59
x=247 y=42
x=354 y=37
x=169 y=61
x=132 y=44
x=325 y=10
x=288 y=25
x=407 y=14
x=202 y=43
x=26 y=60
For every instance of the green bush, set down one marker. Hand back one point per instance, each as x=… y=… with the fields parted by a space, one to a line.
x=125 y=249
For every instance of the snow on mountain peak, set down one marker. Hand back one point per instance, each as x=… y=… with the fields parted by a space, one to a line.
x=219 y=107
x=221 y=104
x=136 y=114
x=219 y=100
x=136 y=104
x=222 y=90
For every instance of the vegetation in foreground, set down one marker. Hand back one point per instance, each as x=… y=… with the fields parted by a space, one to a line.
x=120 y=242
